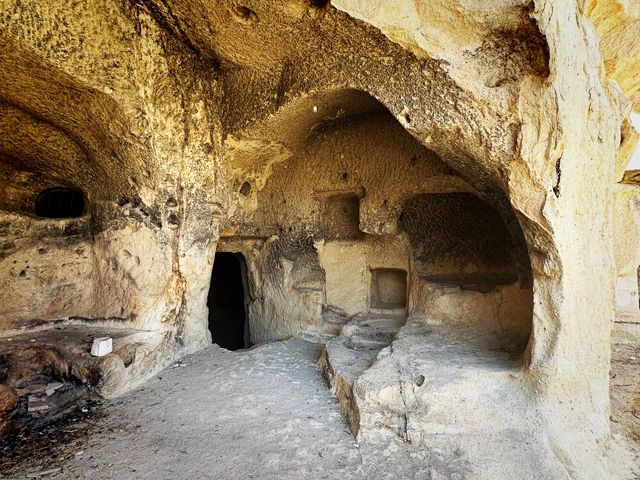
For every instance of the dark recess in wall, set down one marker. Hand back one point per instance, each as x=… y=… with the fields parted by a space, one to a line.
x=388 y=288
x=226 y=301
x=457 y=238
x=342 y=217
x=60 y=202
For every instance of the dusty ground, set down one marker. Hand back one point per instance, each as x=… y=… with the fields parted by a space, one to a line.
x=625 y=399
x=260 y=413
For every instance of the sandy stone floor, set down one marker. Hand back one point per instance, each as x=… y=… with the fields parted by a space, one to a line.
x=625 y=400
x=260 y=413
x=263 y=413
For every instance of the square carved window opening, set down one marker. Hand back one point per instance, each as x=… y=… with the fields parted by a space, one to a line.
x=388 y=288
x=342 y=217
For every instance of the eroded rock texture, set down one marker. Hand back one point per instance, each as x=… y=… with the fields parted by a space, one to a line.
x=429 y=187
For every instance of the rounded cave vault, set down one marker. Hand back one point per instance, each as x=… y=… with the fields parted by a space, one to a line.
x=465 y=267
x=360 y=184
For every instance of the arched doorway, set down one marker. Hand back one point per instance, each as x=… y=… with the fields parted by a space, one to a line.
x=227 y=301
x=360 y=219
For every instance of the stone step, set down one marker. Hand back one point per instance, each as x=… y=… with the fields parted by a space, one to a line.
x=347 y=357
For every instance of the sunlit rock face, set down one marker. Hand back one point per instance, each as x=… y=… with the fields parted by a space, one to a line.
x=394 y=177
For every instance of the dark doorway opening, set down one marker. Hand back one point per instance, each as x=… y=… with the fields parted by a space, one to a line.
x=226 y=302
x=60 y=202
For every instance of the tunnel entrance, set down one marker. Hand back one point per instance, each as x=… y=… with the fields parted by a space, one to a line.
x=60 y=202
x=226 y=301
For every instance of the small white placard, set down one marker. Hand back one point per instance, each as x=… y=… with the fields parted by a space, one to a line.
x=101 y=346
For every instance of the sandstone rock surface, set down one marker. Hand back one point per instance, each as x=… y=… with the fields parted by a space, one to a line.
x=451 y=165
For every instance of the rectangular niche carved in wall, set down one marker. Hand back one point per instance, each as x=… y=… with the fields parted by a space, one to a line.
x=342 y=217
x=388 y=288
